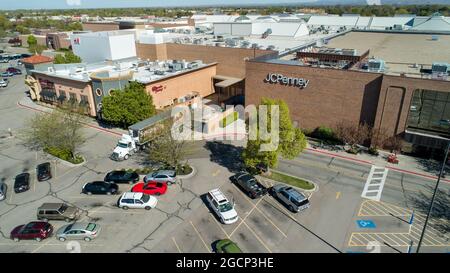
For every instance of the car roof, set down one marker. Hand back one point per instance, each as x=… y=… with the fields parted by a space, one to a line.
x=36 y=225
x=295 y=194
x=22 y=175
x=45 y=164
x=168 y=172
x=51 y=205
x=218 y=195
x=132 y=195
x=78 y=226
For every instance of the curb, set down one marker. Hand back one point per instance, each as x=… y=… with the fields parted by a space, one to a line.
x=316 y=186
x=370 y=163
x=187 y=176
x=67 y=163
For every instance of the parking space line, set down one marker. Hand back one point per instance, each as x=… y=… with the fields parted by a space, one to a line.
x=243 y=219
x=175 y=242
x=218 y=224
x=198 y=233
x=257 y=237
x=41 y=246
x=263 y=214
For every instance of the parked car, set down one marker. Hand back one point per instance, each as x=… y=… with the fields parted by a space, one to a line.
x=224 y=209
x=44 y=171
x=22 y=183
x=167 y=176
x=249 y=184
x=7 y=74
x=150 y=187
x=100 y=187
x=226 y=246
x=122 y=177
x=14 y=71
x=3 y=83
x=78 y=231
x=292 y=198
x=3 y=189
x=36 y=230
x=136 y=200
x=4 y=60
x=58 y=211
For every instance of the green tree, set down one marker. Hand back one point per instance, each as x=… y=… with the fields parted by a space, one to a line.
x=60 y=130
x=124 y=108
x=36 y=49
x=292 y=141
x=31 y=40
x=23 y=30
x=68 y=58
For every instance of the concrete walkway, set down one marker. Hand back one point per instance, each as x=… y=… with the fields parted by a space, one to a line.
x=407 y=164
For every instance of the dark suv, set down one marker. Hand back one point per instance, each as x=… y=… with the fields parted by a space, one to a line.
x=58 y=211
x=249 y=184
x=122 y=177
x=36 y=230
x=44 y=171
x=22 y=183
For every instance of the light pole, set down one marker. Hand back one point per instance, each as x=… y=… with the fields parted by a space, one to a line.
x=430 y=209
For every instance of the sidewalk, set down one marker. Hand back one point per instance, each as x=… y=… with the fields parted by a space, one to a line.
x=407 y=164
x=26 y=102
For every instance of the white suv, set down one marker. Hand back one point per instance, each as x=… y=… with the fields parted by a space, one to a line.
x=222 y=207
x=137 y=200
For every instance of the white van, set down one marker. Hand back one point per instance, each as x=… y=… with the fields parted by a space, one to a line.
x=222 y=207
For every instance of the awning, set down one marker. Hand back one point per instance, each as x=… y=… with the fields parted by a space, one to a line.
x=226 y=81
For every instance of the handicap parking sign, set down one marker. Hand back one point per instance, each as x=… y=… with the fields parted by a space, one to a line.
x=366 y=224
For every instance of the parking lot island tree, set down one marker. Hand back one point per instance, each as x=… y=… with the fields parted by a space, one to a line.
x=126 y=107
x=292 y=141
x=58 y=133
x=168 y=149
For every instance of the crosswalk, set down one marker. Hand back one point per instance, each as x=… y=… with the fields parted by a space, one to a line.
x=375 y=183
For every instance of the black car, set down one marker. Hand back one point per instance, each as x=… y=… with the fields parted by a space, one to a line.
x=122 y=177
x=100 y=187
x=44 y=171
x=249 y=184
x=22 y=183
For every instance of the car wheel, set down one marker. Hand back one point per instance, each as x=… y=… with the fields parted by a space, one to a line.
x=67 y=220
x=108 y=193
x=126 y=157
x=291 y=208
x=16 y=239
x=125 y=207
x=157 y=194
x=38 y=239
x=89 y=193
x=62 y=239
x=87 y=239
x=147 y=207
x=44 y=219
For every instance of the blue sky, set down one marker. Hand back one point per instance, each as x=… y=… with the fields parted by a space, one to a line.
x=61 y=4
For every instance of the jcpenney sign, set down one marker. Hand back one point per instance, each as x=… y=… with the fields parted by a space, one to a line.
x=291 y=81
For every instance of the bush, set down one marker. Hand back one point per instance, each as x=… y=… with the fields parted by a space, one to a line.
x=353 y=151
x=324 y=133
x=183 y=169
x=64 y=155
x=373 y=151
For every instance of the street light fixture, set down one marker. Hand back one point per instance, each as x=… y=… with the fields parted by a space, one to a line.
x=430 y=209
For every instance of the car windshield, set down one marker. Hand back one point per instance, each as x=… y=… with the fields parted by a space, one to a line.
x=43 y=167
x=300 y=203
x=63 y=208
x=145 y=198
x=91 y=226
x=225 y=207
x=69 y=227
x=122 y=145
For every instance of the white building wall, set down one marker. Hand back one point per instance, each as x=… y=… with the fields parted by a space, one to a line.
x=101 y=46
x=222 y=28
x=244 y=29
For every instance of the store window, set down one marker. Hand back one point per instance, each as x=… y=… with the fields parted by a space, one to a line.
x=430 y=110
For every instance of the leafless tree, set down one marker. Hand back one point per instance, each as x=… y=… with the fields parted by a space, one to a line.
x=395 y=144
x=351 y=133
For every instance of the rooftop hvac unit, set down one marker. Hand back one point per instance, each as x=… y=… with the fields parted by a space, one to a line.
x=437 y=68
x=435 y=38
x=270 y=47
x=51 y=69
x=175 y=66
x=159 y=72
x=375 y=65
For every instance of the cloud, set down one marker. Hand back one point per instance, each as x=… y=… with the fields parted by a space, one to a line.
x=73 y=2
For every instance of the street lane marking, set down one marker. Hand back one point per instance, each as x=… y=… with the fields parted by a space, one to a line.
x=198 y=233
x=338 y=194
x=216 y=173
x=218 y=224
x=248 y=214
x=257 y=237
x=175 y=242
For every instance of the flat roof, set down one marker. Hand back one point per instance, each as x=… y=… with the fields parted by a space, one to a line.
x=397 y=48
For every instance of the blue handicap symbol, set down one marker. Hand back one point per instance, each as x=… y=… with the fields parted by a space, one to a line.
x=366 y=224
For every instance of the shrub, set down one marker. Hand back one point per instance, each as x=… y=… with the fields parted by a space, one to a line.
x=373 y=151
x=183 y=169
x=229 y=119
x=64 y=155
x=324 y=133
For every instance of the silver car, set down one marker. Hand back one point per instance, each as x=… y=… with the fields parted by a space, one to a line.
x=78 y=231
x=168 y=176
x=293 y=199
x=3 y=189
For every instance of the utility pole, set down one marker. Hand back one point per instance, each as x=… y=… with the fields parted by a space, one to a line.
x=430 y=209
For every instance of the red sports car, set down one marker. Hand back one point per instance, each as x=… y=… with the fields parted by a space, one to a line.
x=150 y=187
